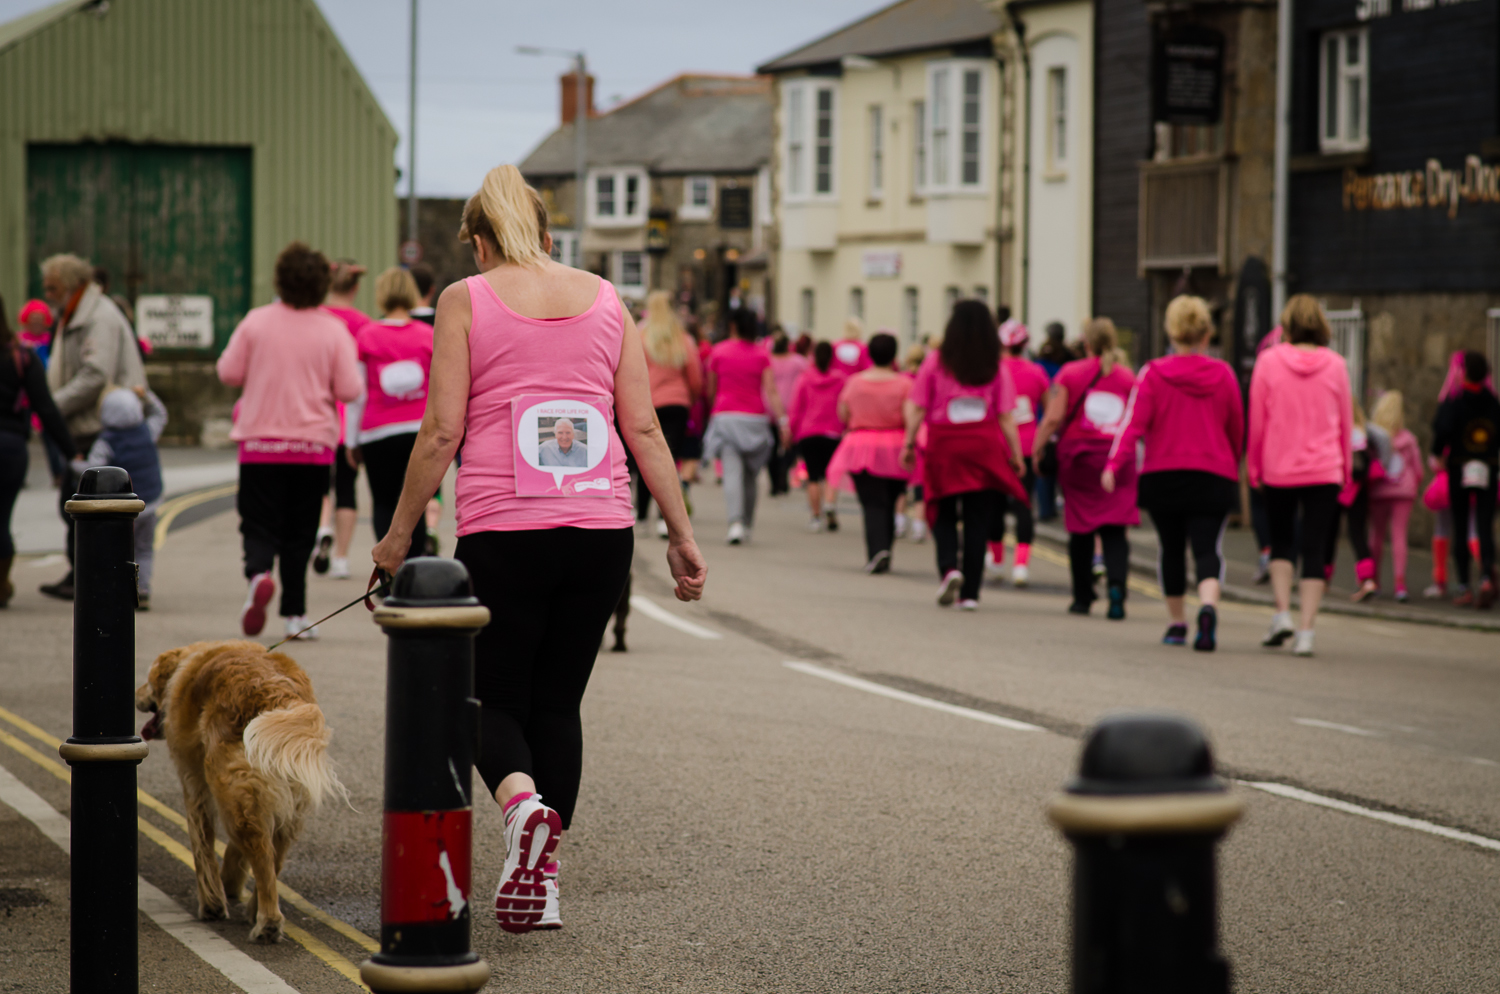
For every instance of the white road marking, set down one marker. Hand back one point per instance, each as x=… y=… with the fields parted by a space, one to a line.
x=1481 y=761
x=1336 y=727
x=651 y=609
x=1308 y=797
x=901 y=695
x=215 y=950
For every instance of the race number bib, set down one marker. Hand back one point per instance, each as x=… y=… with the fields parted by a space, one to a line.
x=562 y=446
x=848 y=352
x=1476 y=475
x=966 y=410
x=1104 y=410
x=1022 y=414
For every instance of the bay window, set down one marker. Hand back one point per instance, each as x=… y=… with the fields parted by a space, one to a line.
x=617 y=197
x=952 y=147
x=810 y=116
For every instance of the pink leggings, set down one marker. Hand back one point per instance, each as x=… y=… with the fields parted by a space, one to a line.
x=1389 y=517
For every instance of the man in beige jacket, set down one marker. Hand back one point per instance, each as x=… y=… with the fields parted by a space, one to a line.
x=93 y=349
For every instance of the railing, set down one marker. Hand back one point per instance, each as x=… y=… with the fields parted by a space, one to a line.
x=1184 y=219
x=1348 y=328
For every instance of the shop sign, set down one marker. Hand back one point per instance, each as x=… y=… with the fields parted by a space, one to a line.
x=658 y=232
x=1189 y=85
x=884 y=265
x=1433 y=187
x=734 y=208
x=170 y=321
x=1369 y=10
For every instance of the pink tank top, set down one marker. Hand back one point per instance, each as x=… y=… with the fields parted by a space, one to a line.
x=538 y=363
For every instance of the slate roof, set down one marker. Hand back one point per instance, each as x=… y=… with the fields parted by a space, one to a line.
x=905 y=26
x=693 y=123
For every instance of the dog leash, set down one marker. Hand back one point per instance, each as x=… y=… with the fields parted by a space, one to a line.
x=378 y=574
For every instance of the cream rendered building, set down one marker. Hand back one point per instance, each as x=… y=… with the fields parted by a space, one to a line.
x=889 y=171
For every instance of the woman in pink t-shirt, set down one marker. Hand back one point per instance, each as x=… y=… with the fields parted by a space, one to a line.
x=676 y=384
x=1031 y=384
x=871 y=405
x=534 y=366
x=740 y=428
x=1086 y=407
x=814 y=428
x=964 y=397
x=787 y=367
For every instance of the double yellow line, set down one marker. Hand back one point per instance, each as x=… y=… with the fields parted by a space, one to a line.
x=170 y=509
x=307 y=940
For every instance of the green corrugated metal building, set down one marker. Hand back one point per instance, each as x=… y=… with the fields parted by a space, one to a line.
x=181 y=144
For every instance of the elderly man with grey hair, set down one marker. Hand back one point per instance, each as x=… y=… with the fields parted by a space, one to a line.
x=93 y=348
x=563 y=448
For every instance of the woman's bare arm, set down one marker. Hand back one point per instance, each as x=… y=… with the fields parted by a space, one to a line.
x=1057 y=409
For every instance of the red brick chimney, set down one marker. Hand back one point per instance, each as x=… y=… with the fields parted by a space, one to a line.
x=570 y=97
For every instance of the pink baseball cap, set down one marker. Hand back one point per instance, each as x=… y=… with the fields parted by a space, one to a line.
x=1013 y=333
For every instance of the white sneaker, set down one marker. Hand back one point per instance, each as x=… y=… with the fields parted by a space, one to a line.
x=1019 y=576
x=918 y=530
x=551 y=911
x=948 y=590
x=531 y=834
x=736 y=533
x=968 y=605
x=1303 y=644
x=339 y=570
x=661 y=528
x=295 y=624
x=901 y=525
x=815 y=524
x=1281 y=629
x=992 y=570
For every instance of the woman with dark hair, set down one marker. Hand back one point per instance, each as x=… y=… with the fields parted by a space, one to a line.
x=294 y=362
x=1085 y=409
x=740 y=388
x=814 y=427
x=973 y=461
x=869 y=457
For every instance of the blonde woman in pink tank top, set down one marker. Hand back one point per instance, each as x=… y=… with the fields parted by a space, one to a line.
x=535 y=365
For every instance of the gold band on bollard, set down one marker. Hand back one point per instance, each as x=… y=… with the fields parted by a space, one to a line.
x=102 y=752
x=104 y=506
x=473 y=616
x=461 y=979
x=1103 y=814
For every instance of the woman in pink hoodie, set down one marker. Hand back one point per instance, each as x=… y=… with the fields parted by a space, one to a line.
x=1187 y=409
x=1301 y=436
x=814 y=427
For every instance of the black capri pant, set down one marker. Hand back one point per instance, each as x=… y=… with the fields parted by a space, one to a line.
x=1188 y=508
x=1319 y=504
x=817 y=452
x=550 y=593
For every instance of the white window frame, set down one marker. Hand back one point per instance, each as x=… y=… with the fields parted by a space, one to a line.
x=948 y=123
x=807 y=308
x=876 y=120
x=1344 y=114
x=1057 y=120
x=857 y=302
x=911 y=313
x=566 y=247
x=800 y=142
x=691 y=211
x=620 y=216
x=617 y=273
x=919 y=146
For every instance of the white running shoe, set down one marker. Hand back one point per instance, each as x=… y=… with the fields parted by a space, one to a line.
x=968 y=605
x=992 y=569
x=339 y=570
x=531 y=834
x=948 y=590
x=918 y=530
x=1019 y=576
x=551 y=911
x=902 y=522
x=661 y=528
x=736 y=533
x=253 y=615
x=815 y=524
x=1281 y=629
x=295 y=624
x=1303 y=644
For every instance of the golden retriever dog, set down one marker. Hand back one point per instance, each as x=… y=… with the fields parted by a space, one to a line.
x=251 y=747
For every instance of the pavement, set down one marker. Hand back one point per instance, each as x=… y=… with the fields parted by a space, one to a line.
x=818 y=780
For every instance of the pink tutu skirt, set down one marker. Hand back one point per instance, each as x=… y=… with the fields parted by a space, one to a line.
x=873 y=451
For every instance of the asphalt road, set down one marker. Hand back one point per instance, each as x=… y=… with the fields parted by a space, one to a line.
x=746 y=825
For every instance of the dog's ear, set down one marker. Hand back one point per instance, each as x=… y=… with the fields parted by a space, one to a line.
x=161 y=671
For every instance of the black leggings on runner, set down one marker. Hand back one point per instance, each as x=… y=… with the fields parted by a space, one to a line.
x=1081 y=560
x=1357 y=516
x=1021 y=509
x=279 y=505
x=1174 y=532
x=1319 y=504
x=979 y=509
x=550 y=593
x=877 y=499
x=385 y=468
x=1483 y=516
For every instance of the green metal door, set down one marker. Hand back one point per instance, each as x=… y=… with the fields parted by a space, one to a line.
x=159 y=218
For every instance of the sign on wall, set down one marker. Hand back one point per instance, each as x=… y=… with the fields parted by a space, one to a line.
x=881 y=265
x=734 y=208
x=1432 y=187
x=1189 y=84
x=171 y=321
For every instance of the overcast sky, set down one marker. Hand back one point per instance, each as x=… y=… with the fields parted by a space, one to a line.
x=481 y=104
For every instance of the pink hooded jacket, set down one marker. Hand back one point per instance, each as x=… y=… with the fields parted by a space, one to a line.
x=1301 y=418
x=1188 y=409
x=815 y=404
x=1406 y=484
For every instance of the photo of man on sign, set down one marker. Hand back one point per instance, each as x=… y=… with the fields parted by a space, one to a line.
x=561 y=444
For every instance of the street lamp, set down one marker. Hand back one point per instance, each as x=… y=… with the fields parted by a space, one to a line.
x=580 y=123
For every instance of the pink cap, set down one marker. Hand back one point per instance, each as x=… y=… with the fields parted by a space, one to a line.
x=35 y=307
x=1013 y=333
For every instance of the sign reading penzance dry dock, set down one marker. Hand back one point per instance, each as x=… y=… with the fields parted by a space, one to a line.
x=1475 y=183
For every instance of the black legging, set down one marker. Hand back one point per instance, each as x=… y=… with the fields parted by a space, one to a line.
x=279 y=505
x=13 y=462
x=1484 y=519
x=1357 y=515
x=550 y=593
x=1020 y=508
x=877 y=499
x=1174 y=531
x=385 y=469
x=1319 y=517
x=979 y=509
x=1081 y=560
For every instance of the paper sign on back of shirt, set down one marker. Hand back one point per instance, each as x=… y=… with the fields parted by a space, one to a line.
x=562 y=446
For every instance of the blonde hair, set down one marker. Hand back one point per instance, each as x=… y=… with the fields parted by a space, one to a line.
x=662 y=332
x=1390 y=412
x=1100 y=337
x=72 y=270
x=1303 y=321
x=854 y=329
x=510 y=215
x=396 y=289
x=1359 y=413
x=1188 y=320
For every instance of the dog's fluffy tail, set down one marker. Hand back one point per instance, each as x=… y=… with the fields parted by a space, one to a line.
x=292 y=744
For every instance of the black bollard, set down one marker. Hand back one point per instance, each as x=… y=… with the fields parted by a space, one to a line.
x=104 y=749
x=1145 y=815
x=431 y=730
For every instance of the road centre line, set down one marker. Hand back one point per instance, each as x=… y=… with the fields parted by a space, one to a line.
x=215 y=950
x=1405 y=821
x=1336 y=727
x=169 y=510
x=900 y=695
x=651 y=609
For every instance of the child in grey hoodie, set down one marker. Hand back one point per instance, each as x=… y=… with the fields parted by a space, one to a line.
x=132 y=422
